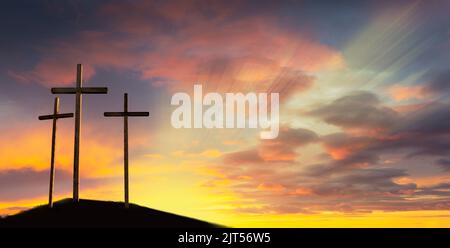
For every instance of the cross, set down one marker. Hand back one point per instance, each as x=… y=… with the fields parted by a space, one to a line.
x=125 y=114
x=55 y=116
x=79 y=90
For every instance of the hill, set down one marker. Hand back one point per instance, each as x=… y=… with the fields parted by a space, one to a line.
x=92 y=213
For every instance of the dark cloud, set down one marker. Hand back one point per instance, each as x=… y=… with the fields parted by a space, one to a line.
x=363 y=190
x=441 y=191
x=294 y=137
x=281 y=149
x=26 y=183
x=354 y=160
x=431 y=120
x=339 y=140
x=353 y=191
x=439 y=82
x=243 y=157
x=290 y=82
x=444 y=164
x=440 y=186
x=373 y=181
x=359 y=110
x=425 y=132
x=345 y=152
x=352 y=179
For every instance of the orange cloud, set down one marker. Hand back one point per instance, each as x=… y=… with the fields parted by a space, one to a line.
x=339 y=152
x=270 y=155
x=30 y=148
x=302 y=191
x=237 y=54
x=251 y=54
x=341 y=146
x=410 y=107
x=400 y=93
x=272 y=187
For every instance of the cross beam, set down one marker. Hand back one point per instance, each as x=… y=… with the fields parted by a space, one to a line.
x=125 y=114
x=84 y=90
x=79 y=90
x=55 y=116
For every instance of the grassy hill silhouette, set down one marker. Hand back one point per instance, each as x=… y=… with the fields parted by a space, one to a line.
x=92 y=213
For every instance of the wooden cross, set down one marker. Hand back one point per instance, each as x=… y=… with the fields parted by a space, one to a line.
x=55 y=116
x=125 y=114
x=79 y=90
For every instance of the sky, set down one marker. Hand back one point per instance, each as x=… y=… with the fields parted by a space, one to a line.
x=364 y=110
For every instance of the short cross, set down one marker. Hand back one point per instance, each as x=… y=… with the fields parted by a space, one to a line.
x=125 y=114
x=55 y=116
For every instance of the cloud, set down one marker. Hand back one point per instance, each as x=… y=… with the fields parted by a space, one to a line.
x=27 y=183
x=439 y=191
x=204 y=43
x=281 y=149
x=341 y=145
x=353 y=177
x=439 y=82
x=57 y=65
x=431 y=120
x=400 y=93
x=359 y=110
x=378 y=182
x=421 y=133
x=243 y=157
x=31 y=148
x=359 y=190
x=444 y=164
x=436 y=83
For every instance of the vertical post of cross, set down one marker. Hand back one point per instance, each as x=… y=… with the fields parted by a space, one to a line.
x=79 y=90
x=53 y=117
x=52 y=160
x=125 y=147
x=76 y=152
x=125 y=114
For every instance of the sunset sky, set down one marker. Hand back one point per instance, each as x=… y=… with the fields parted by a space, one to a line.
x=364 y=108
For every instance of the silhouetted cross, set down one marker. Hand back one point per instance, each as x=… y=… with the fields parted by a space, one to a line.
x=55 y=116
x=125 y=114
x=79 y=90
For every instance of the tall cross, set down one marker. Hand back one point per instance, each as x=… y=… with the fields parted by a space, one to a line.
x=79 y=90
x=55 y=116
x=125 y=114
